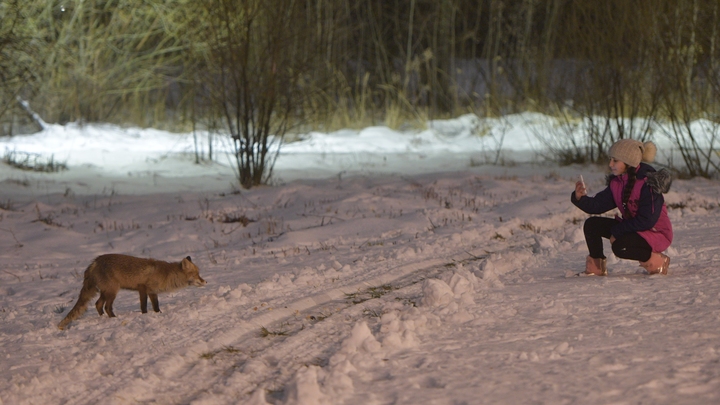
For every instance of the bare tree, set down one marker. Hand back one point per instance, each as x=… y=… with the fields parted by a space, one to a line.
x=257 y=58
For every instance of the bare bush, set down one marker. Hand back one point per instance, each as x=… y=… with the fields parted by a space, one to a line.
x=257 y=56
x=691 y=76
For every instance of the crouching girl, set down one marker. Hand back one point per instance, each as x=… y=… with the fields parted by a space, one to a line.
x=642 y=230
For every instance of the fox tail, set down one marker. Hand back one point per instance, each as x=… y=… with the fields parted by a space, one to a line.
x=89 y=290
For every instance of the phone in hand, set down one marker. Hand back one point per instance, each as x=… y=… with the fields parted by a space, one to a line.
x=583 y=183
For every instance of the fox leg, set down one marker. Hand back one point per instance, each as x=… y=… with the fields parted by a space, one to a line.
x=109 y=298
x=99 y=303
x=142 y=290
x=154 y=301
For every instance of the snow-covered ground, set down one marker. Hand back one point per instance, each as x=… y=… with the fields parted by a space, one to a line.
x=382 y=267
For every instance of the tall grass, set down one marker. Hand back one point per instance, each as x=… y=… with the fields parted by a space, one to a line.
x=362 y=62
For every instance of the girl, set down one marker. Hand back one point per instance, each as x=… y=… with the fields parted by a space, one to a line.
x=642 y=231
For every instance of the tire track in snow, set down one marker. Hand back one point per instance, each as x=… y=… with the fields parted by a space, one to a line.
x=237 y=334
x=214 y=336
x=286 y=347
x=126 y=383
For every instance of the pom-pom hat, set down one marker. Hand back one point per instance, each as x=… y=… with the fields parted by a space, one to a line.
x=632 y=152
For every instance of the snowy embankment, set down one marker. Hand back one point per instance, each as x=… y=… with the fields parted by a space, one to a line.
x=445 y=288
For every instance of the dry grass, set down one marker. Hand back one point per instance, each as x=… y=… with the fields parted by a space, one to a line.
x=33 y=162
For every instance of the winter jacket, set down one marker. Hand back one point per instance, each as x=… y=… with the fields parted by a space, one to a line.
x=648 y=213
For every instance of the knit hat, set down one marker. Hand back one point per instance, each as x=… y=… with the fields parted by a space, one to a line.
x=650 y=152
x=632 y=152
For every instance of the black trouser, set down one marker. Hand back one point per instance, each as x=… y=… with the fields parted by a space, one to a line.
x=631 y=246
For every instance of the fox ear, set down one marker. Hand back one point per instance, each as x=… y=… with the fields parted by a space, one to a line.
x=188 y=259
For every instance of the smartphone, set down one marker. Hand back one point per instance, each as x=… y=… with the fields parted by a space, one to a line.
x=583 y=182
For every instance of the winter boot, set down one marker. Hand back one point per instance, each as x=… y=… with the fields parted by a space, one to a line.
x=595 y=267
x=657 y=264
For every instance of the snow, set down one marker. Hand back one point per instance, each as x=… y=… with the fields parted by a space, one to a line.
x=382 y=267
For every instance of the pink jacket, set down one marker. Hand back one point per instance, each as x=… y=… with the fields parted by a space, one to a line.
x=659 y=236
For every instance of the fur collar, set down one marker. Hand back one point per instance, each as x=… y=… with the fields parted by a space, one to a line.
x=659 y=181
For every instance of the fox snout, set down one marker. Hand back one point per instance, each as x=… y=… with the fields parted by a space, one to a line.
x=197 y=282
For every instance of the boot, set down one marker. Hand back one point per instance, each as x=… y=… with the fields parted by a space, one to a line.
x=595 y=267
x=657 y=264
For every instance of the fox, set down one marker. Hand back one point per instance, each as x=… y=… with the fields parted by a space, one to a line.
x=109 y=273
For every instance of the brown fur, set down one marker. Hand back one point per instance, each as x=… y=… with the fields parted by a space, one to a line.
x=110 y=273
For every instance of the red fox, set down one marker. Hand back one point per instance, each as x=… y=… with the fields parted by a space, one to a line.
x=109 y=273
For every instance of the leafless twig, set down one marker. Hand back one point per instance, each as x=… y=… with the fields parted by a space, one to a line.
x=17 y=242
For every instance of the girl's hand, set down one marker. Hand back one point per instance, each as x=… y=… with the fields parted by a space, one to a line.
x=579 y=190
